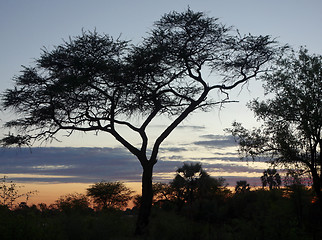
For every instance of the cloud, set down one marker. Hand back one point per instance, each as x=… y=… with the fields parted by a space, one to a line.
x=216 y=141
x=80 y=164
x=253 y=181
x=213 y=136
x=189 y=127
x=232 y=168
x=89 y=165
x=173 y=149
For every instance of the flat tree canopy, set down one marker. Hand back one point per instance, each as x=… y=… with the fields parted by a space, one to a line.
x=94 y=82
x=109 y=194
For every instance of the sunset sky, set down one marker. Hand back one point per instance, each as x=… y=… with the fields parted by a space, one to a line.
x=83 y=159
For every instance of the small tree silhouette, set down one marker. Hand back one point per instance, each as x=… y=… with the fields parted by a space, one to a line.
x=9 y=193
x=110 y=194
x=74 y=201
x=271 y=178
x=242 y=186
x=187 y=181
x=193 y=183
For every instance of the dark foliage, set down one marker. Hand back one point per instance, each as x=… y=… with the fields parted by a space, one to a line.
x=96 y=83
x=110 y=194
x=242 y=186
x=252 y=215
x=291 y=130
x=271 y=178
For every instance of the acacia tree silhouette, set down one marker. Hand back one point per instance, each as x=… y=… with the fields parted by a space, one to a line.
x=109 y=194
x=96 y=83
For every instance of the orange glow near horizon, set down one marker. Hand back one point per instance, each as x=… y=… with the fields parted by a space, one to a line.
x=48 y=193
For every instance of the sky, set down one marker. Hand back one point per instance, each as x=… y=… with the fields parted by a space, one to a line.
x=28 y=26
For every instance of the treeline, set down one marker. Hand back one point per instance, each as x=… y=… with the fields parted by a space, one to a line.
x=193 y=205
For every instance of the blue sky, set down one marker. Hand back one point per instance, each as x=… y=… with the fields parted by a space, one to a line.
x=28 y=26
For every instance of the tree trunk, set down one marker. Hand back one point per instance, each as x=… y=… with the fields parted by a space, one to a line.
x=317 y=187
x=146 y=201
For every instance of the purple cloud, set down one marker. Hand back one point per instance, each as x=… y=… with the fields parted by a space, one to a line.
x=216 y=141
x=89 y=165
